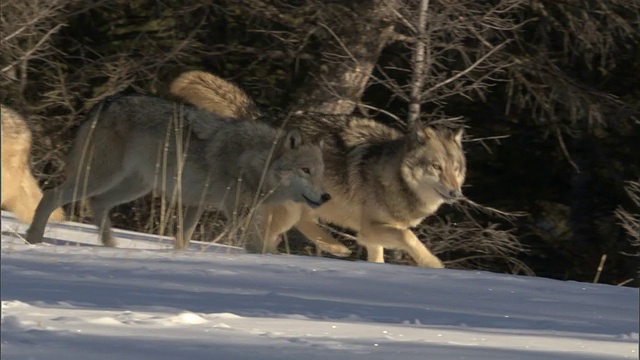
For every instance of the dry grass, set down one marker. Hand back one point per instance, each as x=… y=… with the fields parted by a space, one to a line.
x=630 y=221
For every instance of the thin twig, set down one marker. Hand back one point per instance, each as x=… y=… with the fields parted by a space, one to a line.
x=465 y=71
x=488 y=138
x=623 y=283
x=342 y=45
x=485 y=208
x=565 y=151
x=600 y=267
x=28 y=54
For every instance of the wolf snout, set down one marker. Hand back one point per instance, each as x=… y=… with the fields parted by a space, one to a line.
x=455 y=194
x=451 y=196
x=317 y=203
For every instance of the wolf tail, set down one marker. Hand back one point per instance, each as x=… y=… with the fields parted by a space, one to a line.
x=214 y=94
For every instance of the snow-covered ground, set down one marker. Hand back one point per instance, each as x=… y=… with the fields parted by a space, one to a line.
x=70 y=299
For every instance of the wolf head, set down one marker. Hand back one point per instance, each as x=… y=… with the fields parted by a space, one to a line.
x=434 y=165
x=296 y=171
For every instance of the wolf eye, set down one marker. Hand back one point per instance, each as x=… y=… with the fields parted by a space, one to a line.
x=437 y=167
x=306 y=170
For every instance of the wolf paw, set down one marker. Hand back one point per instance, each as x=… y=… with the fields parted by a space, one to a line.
x=109 y=242
x=335 y=249
x=33 y=236
x=433 y=263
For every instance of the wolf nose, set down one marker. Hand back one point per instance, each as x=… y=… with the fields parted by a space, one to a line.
x=455 y=194
x=325 y=197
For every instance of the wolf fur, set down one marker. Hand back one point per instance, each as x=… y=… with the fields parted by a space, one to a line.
x=20 y=191
x=214 y=94
x=131 y=145
x=382 y=181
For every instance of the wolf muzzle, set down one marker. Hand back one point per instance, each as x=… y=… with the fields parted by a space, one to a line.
x=315 y=204
x=452 y=195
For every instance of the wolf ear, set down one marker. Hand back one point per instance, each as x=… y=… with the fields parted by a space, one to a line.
x=293 y=139
x=430 y=133
x=457 y=136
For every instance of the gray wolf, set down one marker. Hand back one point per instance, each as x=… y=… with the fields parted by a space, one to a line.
x=130 y=145
x=20 y=191
x=382 y=181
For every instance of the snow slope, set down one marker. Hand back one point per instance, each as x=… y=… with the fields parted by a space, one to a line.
x=70 y=299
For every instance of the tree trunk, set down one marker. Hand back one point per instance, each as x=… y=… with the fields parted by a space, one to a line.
x=337 y=83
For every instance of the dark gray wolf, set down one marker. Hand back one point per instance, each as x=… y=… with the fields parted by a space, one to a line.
x=131 y=145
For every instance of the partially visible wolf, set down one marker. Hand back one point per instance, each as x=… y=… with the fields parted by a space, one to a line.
x=20 y=191
x=382 y=181
x=131 y=145
x=216 y=95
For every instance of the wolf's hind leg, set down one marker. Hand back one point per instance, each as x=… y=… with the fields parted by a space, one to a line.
x=130 y=188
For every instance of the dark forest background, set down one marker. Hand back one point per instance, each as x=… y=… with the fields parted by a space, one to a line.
x=548 y=91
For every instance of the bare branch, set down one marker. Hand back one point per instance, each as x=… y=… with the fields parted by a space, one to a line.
x=490 y=210
x=35 y=48
x=465 y=71
x=630 y=221
x=565 y=151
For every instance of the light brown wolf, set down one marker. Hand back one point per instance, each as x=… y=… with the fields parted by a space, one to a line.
x=20 y=191
x=131 y=145
x=382 y=181
x=216 y=95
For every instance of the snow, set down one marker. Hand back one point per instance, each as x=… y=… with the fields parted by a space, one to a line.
x=72 y=299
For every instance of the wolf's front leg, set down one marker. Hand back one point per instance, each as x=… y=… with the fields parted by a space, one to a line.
x=257 y=241
x=269 y=223
x=191 y=215
x=310 y=228
x=52 y=199
x=388 y=236
x=419 y=252
x=375 y=253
